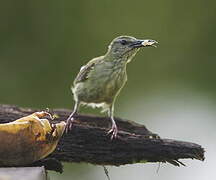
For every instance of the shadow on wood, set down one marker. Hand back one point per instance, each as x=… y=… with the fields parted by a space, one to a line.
x=88 y=141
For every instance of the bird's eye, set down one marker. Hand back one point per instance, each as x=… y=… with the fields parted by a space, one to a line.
x=123 y=42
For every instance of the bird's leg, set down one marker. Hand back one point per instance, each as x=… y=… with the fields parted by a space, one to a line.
x=114 y=129
x=70 y=119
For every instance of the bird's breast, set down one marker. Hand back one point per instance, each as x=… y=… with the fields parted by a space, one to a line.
x=103 y=85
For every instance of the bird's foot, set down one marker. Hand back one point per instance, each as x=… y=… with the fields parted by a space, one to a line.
x=69 y=124
x=113 y=131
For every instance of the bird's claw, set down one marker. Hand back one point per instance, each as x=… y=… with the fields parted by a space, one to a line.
x=113 y=131
x=69 y=124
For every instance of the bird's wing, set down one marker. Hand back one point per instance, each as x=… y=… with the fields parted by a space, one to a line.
x=86 y=69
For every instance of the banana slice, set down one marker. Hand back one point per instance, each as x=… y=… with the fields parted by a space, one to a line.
x=28 y=139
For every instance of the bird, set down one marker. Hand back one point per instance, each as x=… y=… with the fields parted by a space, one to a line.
x=99 y=82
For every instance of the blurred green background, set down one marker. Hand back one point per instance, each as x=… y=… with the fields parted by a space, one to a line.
x=170 y=89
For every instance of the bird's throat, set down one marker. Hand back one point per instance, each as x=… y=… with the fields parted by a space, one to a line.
x=122 y=59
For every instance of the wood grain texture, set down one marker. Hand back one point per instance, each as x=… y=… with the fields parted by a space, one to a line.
x=88 y=141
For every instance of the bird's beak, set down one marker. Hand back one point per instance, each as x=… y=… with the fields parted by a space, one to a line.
x=144 y=43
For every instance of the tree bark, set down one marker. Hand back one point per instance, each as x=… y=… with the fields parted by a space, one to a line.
x=88 y=141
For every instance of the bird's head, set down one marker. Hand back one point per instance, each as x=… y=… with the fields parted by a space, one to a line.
x=126 y=46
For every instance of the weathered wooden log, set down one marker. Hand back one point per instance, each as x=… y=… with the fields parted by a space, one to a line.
x=88 y=141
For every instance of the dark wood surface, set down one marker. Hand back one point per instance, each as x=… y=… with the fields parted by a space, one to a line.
x=88 y=141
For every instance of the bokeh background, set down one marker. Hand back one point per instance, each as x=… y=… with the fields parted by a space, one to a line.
x=170 y=89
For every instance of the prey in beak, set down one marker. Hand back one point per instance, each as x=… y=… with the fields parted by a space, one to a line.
x=144 y=43
x=149 y=42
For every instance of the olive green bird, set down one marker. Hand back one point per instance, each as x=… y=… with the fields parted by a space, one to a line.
x=100 y=81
